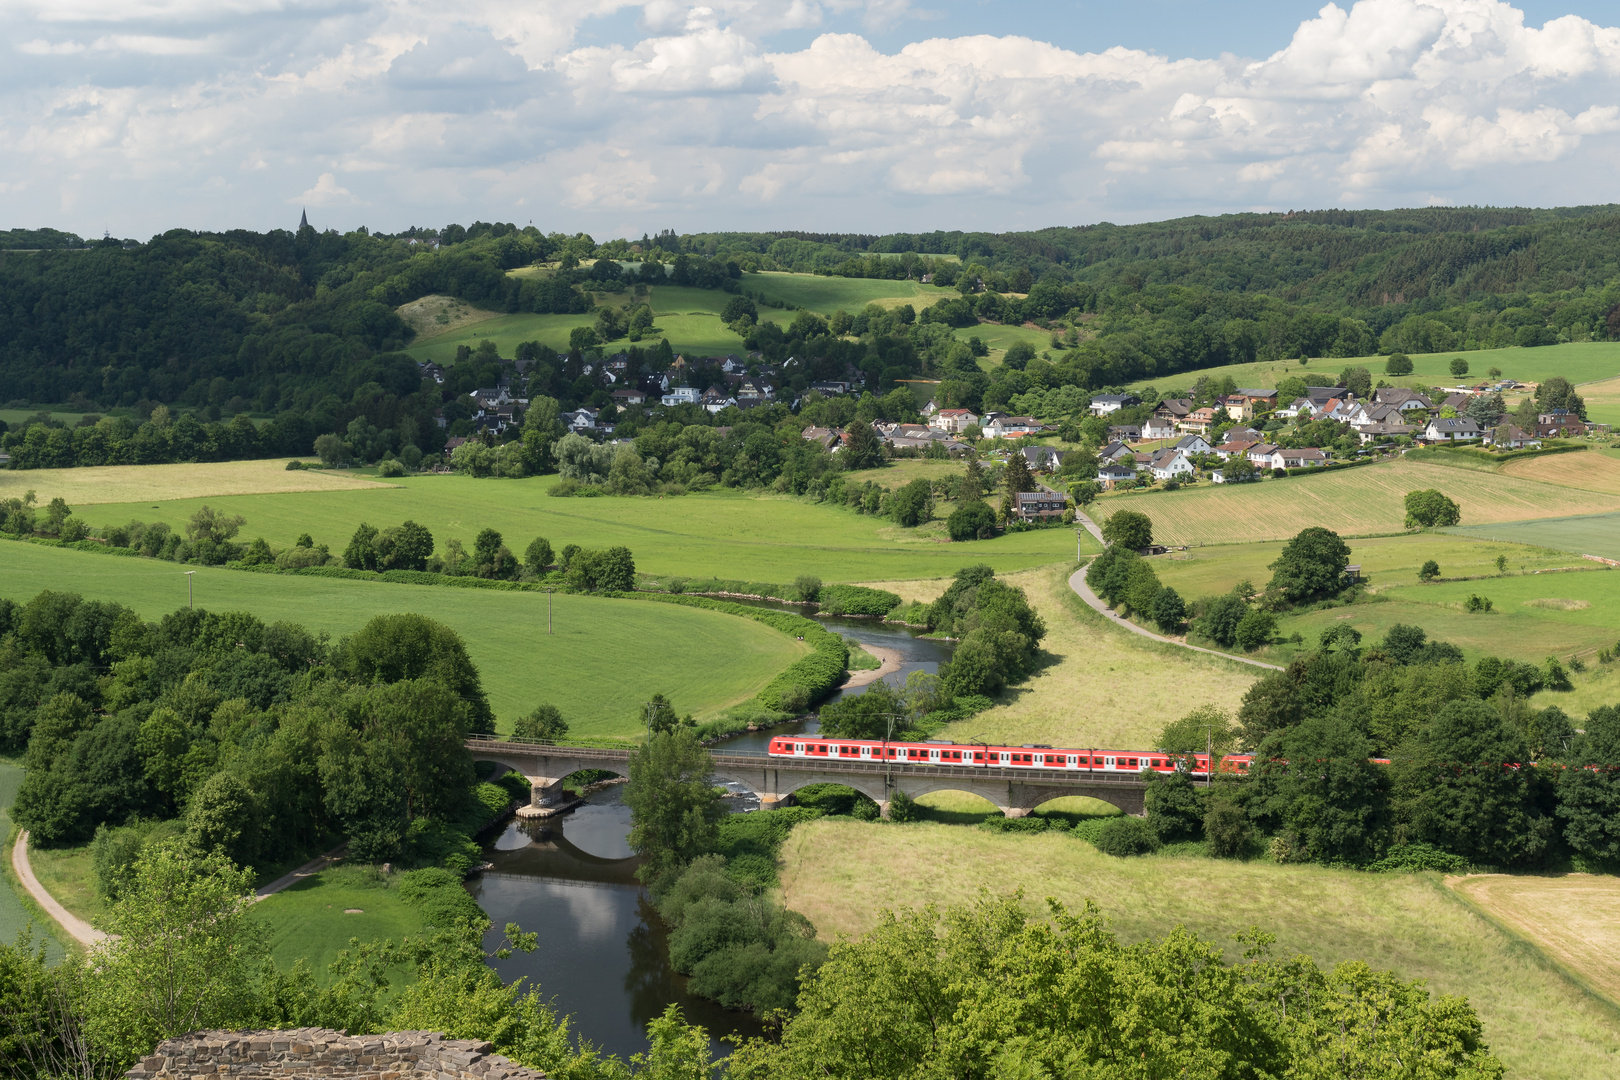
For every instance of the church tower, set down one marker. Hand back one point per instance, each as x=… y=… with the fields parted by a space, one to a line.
x=303 y=220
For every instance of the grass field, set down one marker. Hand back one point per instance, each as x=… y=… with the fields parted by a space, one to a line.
x=723 y=533
x=1583 y=534
x=828 y=294
x=1595 y=471
x=1574 y=918
x=961 y=808
x=1097 y=685
x=314 y=919
x=1000 y=338
x=435 y=316
x=1603 y=401
x=603 y=661
x=15 y=914
x=1579 y=363
x=66 y=875
x=1540 y=1024
x=1365 y=500
x=506 y=331
x=157 y=483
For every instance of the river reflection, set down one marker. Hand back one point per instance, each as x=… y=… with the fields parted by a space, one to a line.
x=602 y=953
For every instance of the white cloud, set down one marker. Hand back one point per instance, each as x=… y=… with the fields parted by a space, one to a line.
x=515 y=109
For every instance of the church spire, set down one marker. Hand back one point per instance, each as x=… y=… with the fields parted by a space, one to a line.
x=303 y=220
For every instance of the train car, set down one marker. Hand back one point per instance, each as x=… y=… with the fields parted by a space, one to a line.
x=1035 y=757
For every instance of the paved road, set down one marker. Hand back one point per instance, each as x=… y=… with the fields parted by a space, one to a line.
x=1077 y=582
x=80 y=930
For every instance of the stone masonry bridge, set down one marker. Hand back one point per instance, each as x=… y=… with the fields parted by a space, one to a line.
x=774 y=779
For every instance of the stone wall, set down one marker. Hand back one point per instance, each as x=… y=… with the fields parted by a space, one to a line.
x=307 y=1053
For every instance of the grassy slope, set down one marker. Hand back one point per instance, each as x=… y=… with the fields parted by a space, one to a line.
x=147 y=484
x=1575 y=918
x=309 y=921
x=1100 y=686
x=605 y=658
x=1534 y=1019
x=1579 y=363
x=723 y=533
x=1603 y=401
x=15 y=913
x=1359 y=501
x=1584 y=534
x=828 y=294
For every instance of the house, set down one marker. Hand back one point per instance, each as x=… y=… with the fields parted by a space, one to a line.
x=681 y=395
x=714 y=399
x=627 y=396
x=754 y=394
x=1012 y=427
x=911 y=431
x=433 y=371
x=733 y=365
x=1559 y=423
x=1383 y=429
x=1199 y=421
x=1259 y=455
x=1294 y=408
x=1243 y=434
x=1157 y=427
x=1169 y=464
x=1109 y=475
x=1243 y=404
x=1038 y=505
x=451 y=444
x=1458 y=402
x=492 y=398
x=581 y=419
x=1125 y=432
x=1451 y=429
x=1234 y=447
x=1308 y=458
x=1401 y=398
x=1045 y=458
x=826 y=438
x=1103 y=404
x=1173 y=409
x=1220 y=476
x=954 y=421
x=1193 y=444
x=1511 y=437
x=930 y=409
x=833 y=387
x=1116 y=451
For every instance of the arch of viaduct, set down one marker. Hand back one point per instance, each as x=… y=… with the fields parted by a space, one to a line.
x=1014 y=791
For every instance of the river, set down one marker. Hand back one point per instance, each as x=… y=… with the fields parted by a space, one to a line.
x=602 y=955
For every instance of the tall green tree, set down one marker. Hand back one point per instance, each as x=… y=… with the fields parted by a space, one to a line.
x=1429 y=509
x=1128 y=529
x=864 y=450
x=674 y=810
x=393 y=648
x=1311 y=565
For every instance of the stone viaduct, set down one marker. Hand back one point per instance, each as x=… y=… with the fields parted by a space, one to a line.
x=774 y=779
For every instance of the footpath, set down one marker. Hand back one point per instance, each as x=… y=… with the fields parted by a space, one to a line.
x=1077 y=582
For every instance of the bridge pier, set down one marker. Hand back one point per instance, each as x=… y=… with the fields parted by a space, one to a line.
x=546 y=797
x=1015 y=811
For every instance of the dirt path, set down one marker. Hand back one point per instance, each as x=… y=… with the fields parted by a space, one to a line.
x=1575 y=918
x=1077 y=582
x=293 y=877
x=890 y=664
x=77 y=928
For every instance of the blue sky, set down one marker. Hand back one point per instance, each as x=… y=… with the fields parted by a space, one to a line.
x=623 y=116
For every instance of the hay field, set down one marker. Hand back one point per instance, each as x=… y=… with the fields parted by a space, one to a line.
x=1593 y=471
x=434 y=316
x=157 y=483
x=603 y=660
x=1602 y=401
x=842 y=873
x=1574 y=918
x=723 y=533
x=1358 y=501
x=1098 y=686
x=1579 y=362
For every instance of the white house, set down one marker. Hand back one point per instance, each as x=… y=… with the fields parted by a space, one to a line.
x=1451 y=429
x=681 y=395
x=1103 y=404
x=1511 y=437
x=1158 y=427
x=954 y=421
x=1193 y=444
x=1308 y=458
x=1117 y=451
x=1109 y=475
x=1169 y=464
x=1259 y=455
x=1012 y=427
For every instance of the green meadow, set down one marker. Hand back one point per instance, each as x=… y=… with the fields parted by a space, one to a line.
x=604 y=658
x=1584 y=534
x=828 y=294
x=1579 y=362
x=721 y=533
x=315 y=919
x=15 y=915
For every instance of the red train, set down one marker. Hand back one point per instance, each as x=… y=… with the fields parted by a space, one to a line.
x=940 y=752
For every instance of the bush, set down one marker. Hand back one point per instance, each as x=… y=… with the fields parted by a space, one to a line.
x=972 y=520
x=1226 y=828
x=1477 y=603
x=1255 y=630
x=1126 y=836
x=295 y=465
x=1413 y=858
x=856 y=600
x=1429 y=571
x=390 y=468
x=807 y=587
x=902 y=807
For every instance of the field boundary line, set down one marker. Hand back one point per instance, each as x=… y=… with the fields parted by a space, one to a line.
x=1522 y=942
x=77 y=928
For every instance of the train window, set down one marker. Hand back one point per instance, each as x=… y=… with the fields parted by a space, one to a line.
x=798 y=748
x=1132 y=763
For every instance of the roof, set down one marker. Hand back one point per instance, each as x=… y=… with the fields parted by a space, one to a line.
x=1262 y=393
x=1121 y=398
x=1455 y=423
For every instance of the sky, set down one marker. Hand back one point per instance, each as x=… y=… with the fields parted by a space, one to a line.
x=624 y=117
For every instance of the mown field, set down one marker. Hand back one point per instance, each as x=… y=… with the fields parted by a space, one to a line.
x=828 y=294
x=1582 y=534
x=1538 y=1022
x=1578 y=362
x=605 y=658
x=314 y=919
x=722 y=533
x=1575 y=918
x=156 y=483
x=1602 y=401
x=1597 y=471
x=1360 y=501
x=1096 y=685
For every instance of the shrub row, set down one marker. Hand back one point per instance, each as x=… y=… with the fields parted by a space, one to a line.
x=857 y=600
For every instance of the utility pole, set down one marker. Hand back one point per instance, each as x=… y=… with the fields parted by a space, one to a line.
x=548 y=609
x=191 y=595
